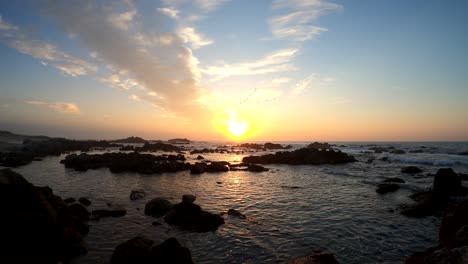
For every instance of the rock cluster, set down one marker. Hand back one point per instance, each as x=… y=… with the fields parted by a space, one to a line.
x=302 y=156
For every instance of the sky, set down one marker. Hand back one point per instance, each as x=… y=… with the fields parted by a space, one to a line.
x=281 y=70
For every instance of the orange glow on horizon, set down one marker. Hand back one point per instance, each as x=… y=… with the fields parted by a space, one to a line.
x=234 y=125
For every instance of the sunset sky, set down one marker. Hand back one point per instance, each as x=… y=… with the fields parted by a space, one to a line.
x=210 y=69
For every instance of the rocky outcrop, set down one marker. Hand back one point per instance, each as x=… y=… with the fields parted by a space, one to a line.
x=453 y=245
x=411 y=170
x=31 y=150
x=446 y=184
x=157 y=207
x=270 y=145
x=158 y=146
x=140 y=250
x=302 y=156
x=179 y=141
x=84 y=201
x=36 y=226
x=191 y=217
x=112 y=210
x=133 y=140
x=317 y=145
x=127 y=162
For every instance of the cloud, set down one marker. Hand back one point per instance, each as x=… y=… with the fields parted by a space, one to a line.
x=66 y=108
x=278 y=61
x=4 y=26
x=170 y=12
x=134 y=97
x=133 y=57
x=313 y=79
x=296 y=25
x=195 y=39
x=209 y=5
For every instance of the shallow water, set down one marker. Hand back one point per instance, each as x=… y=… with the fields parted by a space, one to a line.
x=335 y=207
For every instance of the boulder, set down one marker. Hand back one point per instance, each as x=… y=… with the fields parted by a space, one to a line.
x=303 y=156
x=188 y=198
x=200 y=157
x=79 y=211
x=411 y=170
x=198 y=168
x=217 y=166
x=384 y=188
x=70 y=200
x=135 y=250
x=446 y=181
x=137 y=194
x=270 y=145
x=317 y=145
x=84 y=201
x=36 y=226
x=157 y=207
x=170 y=251
x=191 y=217
x=256 y=168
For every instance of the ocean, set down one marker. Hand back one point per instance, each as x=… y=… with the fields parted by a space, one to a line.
x=291 y=210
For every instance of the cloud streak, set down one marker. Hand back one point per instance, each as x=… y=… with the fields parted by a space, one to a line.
x=296 y=25
x=62 y=107
x=278 y=61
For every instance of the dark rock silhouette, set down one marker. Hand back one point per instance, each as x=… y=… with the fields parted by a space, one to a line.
x=36 y=226
x=126 y=162
x=303 y=156
x=141 y=250
x=132 y=140
x=317 y=145
x=396 y=180
x=411 y=170
x=200 y=157
x=270 y=145
x=234 y=212
x=113 y=210
x=158 y=146
x=157 y=207
x=446 y=184
x=198 y=168
x=179 y=141
x=84 y=201
x=384 y=188
x=191 y=217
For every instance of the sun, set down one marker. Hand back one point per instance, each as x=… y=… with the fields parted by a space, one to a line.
x=237 y=127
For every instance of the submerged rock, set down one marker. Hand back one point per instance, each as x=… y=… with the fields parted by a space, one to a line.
x=36 y=225
x=114 y=210
x=397 y=180
x=157 y=207
x=384 y=188
x=302 y=156
x=234 y=212
x=411 y=170
x=137 y=194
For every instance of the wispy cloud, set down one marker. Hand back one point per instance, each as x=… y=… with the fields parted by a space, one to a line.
x=195 y=39
x=311 y=80
x=4 y=26
x=210 y=5
x=296 y=24
x=66 y=108
x=170 y=12
x=278 y=61
x=134 y=97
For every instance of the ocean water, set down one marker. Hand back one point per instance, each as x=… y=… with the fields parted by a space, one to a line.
x=291 y=210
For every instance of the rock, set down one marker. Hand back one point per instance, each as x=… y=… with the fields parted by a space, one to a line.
x=198 y=168
x=256 y=168
x=461 y=237
x=170 y=251
x=200 y=157
x=440 y=256
x=179 y=141
x=398 y=151
x=218 y=182
x=270 y=145
x=318 y=257
x=452 y=223
x=84 y=201
x=157 y=207
x=302 y=156
x=463 y=176
x=397 y=180
x=188 y=198
x=411 y=170
x=70 y=200
x=132 y=140
x=36 y=225
x=137 y=194
x=317 y=145
x=384 y=188
x=236 y=213
x=465 y=153
x=79 y=211
x=135 y=250
x=115 y=210
x=446 y=181
x=155 y=223
x=217 y=166
x=416 y=151
x=191 y=217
